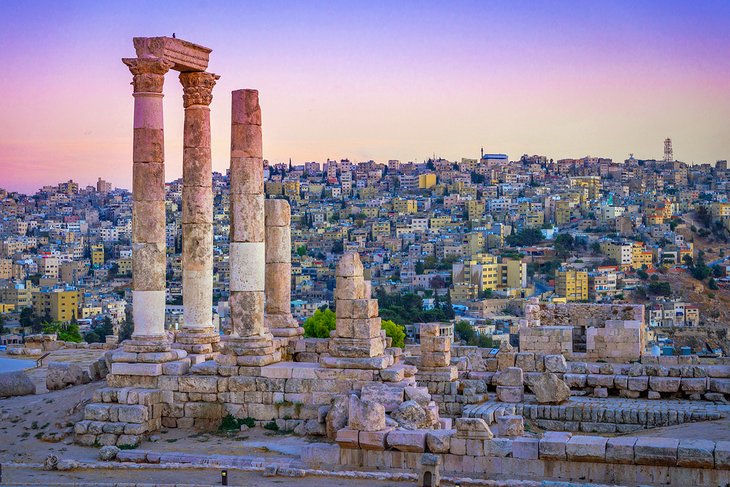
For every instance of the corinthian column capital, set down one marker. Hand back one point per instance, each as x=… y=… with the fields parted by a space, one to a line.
x=149 y=73
x=198 y=87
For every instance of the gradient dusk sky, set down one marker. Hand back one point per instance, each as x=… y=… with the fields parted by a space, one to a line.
x=371 y=80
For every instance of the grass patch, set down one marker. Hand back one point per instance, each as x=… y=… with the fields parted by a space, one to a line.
x=126 y=447
x=232 y=423
x=271 y=426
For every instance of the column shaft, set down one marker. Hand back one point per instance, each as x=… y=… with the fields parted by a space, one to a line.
x=148 y=209
x=247 y=252
x=197 y=221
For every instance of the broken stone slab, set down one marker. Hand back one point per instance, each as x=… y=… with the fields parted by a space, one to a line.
x=548 y=388
x=510 y=394
x=390 y=397
x=411 y=416
x=348 y=438
x=365 y=415
x=510 y=425
x=407 y=440
x=439 y=441
x=473 y=428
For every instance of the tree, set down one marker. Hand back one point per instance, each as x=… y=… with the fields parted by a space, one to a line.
x=320 y=324
x=127 y=328
x=420 y=267
x=338 y=247
x=464 y=331
x=564 y=244
x=717 y=271
x=67 y=332
x=526 y=237
x=2 y=325
x=92 y=337
x=712 y=284
x=27 y=317
x=660 y=288
x=394 y=331
x=699 y=270
x=302 y=250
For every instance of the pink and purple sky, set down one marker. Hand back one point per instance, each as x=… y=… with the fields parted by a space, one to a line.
x=371 y=80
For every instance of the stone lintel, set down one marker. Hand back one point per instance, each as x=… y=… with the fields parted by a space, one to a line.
x=184 y=55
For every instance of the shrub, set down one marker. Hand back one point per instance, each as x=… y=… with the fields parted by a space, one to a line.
x=394 y=331
x=320 y=324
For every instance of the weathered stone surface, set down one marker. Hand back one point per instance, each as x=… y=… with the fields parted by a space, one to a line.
x=350 y=265
x=656 y=451
x=373 y=440
x=108 y=453
x=664 y=384
x=510 y=394
x=586 y=449
x=498 y=447
x=336 y=417
x=410 y=415
x=407 y=440
x=620 y=450
x=548 y=388
x=347 y=438
x=555 y=364
x=552 y=445
x=473 y=428
x=511 y=376
x=365 y=415
x=510 y=425
x=15 y=384
x=389 y=396
x=439 y=441
x=525 y=448
x=418 y=394
x=696 y=453
x=722 y=455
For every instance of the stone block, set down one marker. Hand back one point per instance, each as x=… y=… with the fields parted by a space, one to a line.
x=575 y=380
x=555 y=364
x=511 y=376
x=365 y=415
x=373 y=440
x=510 y=394
x=620 y=450
x=407 y=440
x=696 y=453
x=498 y=447
x=552 y=445
x=439 y=441
x=474 y=428
x=694 y=386
x=638 y=384
x=525 y=448
x=389 y=396
x=722 y=455
x=347 y=438
x=586 y=449
x=656 y=451
x=664 y=384
x=199 y=384
x=510 y=425
x=149 y=370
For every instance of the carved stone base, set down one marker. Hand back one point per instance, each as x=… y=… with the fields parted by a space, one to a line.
x=202 y=344
x=147 y=344
x=257 y=350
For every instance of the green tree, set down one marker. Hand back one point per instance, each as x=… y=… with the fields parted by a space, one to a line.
x=302 y=250
x=127 y=328
x=320 y=324
x=394 y=331
x=712 y=284
x=67 y=332
x=464 y=331
x=338 y=247
x=699 y=270
x=92 y=337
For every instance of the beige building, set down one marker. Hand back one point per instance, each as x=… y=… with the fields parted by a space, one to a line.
x=571 y=284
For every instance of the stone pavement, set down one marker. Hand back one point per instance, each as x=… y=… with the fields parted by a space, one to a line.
x=604 y=415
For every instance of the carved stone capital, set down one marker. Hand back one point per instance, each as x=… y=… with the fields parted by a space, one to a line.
x=148 y=73
x=198 y=87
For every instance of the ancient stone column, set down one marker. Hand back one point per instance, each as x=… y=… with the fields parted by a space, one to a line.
x=148 y=210
x=248 y=340
x=279 y=319
x=198 y=335
x=358 y=340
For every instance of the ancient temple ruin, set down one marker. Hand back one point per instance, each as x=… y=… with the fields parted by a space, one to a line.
x=429 y=407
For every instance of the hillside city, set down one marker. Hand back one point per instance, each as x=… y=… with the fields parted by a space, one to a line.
x=462 y=242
